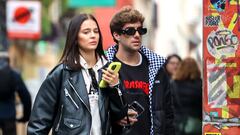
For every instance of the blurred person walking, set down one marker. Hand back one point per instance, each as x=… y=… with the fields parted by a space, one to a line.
x=142 y=76
x=172 y=64
x=187 y=97
x=69 y=101
x=11 y=83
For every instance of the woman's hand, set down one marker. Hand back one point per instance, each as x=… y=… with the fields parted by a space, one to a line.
x=110 y=77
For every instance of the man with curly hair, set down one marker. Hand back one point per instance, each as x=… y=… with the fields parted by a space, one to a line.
x=143 y=77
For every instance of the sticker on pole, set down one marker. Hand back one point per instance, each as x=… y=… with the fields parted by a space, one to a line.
x=23 y=19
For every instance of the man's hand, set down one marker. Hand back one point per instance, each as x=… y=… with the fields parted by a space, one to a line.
x=110 y=77
x=132 y=118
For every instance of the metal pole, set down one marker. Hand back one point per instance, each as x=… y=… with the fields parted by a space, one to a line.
x=3 y=31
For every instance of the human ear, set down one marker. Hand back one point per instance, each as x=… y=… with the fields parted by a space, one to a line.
x=116 y=36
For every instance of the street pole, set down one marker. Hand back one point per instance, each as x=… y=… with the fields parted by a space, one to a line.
x=3 y=30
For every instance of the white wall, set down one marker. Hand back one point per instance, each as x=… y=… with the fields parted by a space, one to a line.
x=174 y=20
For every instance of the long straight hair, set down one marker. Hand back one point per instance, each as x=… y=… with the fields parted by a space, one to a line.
x=71 y=54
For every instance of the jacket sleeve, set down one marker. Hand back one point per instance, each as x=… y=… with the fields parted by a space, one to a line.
x=117 y=108
x=45 y=106
x=168 y=107
x=24 y=97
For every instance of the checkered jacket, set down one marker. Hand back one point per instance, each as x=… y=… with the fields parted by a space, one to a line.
x=160 y=100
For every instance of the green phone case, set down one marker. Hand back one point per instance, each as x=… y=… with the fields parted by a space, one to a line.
x=115 y=66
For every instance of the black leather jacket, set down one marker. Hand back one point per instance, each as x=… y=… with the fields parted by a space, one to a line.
x=62 y=104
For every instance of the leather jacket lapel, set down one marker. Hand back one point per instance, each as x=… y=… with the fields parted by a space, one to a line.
x=78 y=83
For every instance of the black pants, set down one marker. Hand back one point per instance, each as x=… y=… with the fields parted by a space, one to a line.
x=8 y=127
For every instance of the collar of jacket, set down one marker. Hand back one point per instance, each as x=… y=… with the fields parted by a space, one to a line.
x=102 y=59
x=76 y=81
x=155 y=63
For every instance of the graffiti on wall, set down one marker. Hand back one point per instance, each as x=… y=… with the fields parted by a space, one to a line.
x=221 y=103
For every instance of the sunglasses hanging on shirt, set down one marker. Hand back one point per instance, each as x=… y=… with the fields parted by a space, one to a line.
x=94 y=85
x=132 y=31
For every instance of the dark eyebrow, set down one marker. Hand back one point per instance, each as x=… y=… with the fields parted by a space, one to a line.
x=129 y=27
x=134 y=27
x=86 y=29
x=90 y=28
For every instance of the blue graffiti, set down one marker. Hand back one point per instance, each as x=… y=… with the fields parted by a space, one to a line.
x=219 y=5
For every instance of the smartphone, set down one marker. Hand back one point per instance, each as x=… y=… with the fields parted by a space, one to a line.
x=115 y=66
x=136 y=107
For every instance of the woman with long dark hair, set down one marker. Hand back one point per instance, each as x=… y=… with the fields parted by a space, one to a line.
x=69 y=100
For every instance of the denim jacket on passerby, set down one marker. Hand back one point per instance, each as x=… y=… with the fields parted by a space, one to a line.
x=161 y=107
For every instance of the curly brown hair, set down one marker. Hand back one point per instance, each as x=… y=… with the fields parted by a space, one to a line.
x=125 y=15
x=187 y=70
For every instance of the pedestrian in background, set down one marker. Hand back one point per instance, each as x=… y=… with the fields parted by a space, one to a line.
x=69 y=101
x=142 y=76
x=187 y=97
x=11 y=83
x=172 y=64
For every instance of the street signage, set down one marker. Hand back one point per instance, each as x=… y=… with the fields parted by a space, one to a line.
x=23 y=19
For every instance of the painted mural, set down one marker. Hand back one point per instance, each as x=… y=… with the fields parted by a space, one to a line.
x=221 y=103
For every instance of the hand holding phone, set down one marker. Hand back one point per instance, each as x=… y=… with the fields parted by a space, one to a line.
x=137 y=107
x=115 y=66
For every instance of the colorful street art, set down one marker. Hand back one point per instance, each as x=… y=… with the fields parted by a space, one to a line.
x=221 y=103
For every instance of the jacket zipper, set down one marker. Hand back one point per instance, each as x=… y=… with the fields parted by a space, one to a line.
x=70 y=97
x=78 y=96
x=59 y=119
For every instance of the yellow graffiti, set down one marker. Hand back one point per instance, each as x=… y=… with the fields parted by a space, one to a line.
x=232 y=23
x=225 y=112
x=225 y=127
x=212 y=133
x=220 y=63
x=231 y=65
x=235 y=93
x=233 y=2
